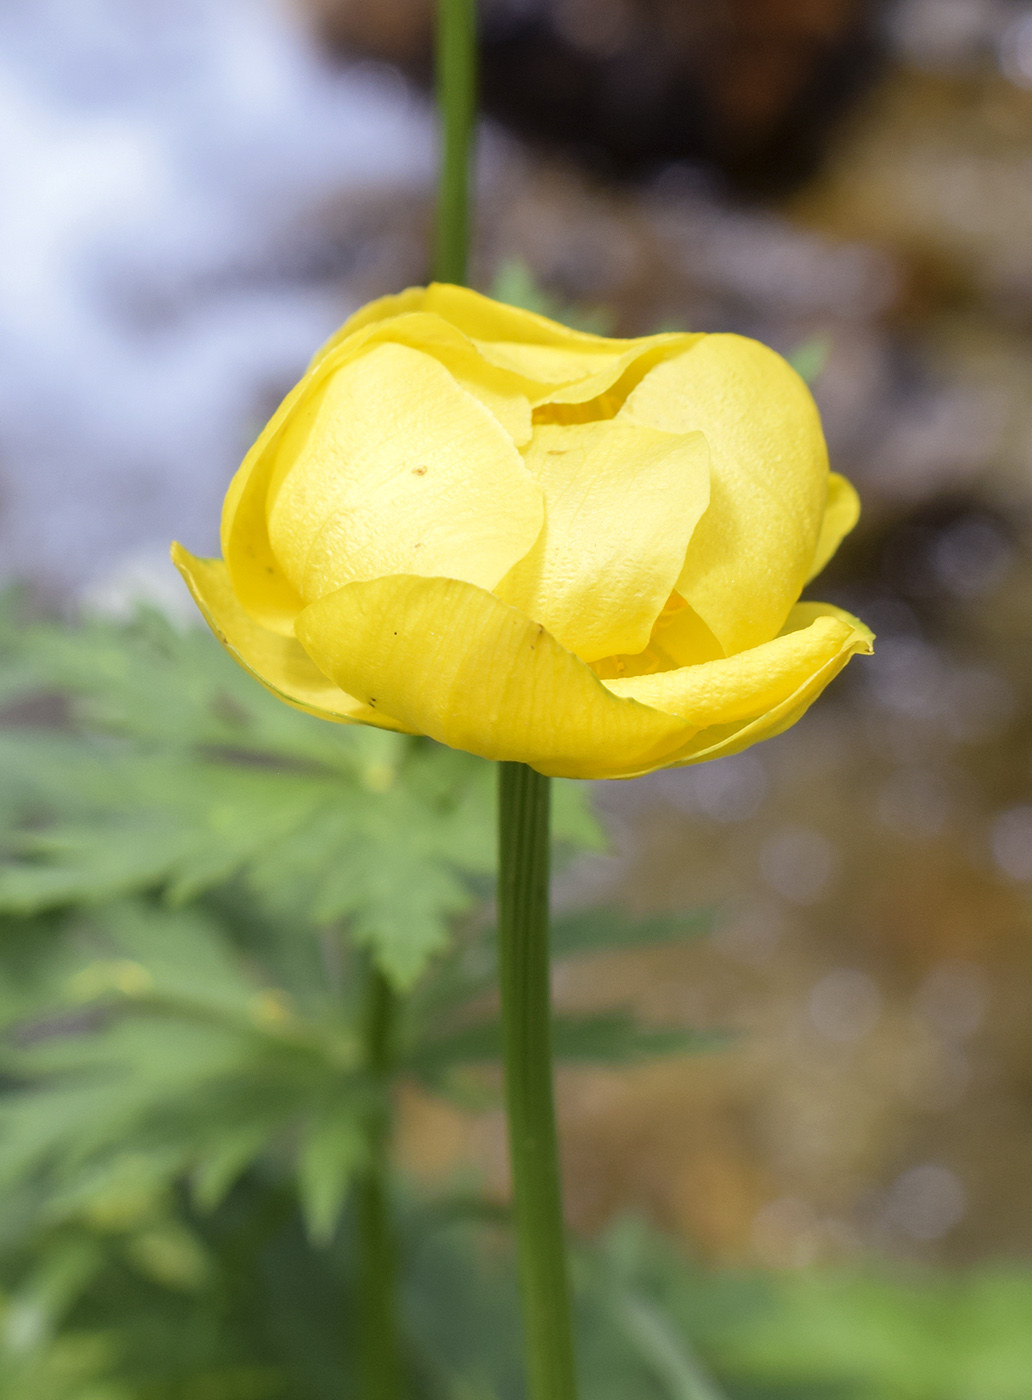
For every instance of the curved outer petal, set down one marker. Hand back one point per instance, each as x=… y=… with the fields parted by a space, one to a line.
x=478 y=316
x=259 y=581
x=841 y=513
x=454 y=662
x=722 y=740
x=753 y=682
x=567 y=366
x=751 y=552
x=679 y=638
x=382 y=309
x=394 y=468
x=280 y=663
x=621 y=502
x=507 y=395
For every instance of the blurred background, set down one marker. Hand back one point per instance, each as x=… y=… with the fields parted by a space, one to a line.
x=195 y=195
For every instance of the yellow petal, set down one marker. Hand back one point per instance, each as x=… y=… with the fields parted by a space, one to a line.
x=382 y=309
x=751 y=552
x=504 y=393
x=840 y=515
x=258 y=579
x=478 y=317
x=608 y=380
x=280 y=663
x=752 y=682
x=679 y=638
x=721 y=740
x=568 y=366
x=621 y=502
x=454 y=662
x=483 y=319
x=393 y=468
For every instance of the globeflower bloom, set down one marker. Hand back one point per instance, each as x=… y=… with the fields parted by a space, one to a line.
x=536 y=544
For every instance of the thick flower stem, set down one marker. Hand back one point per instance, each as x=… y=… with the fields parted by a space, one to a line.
x=456 y=100
x=379 y=1363
x=526 y=1025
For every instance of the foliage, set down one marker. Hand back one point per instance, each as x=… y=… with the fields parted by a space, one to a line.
x=179 y=773
x=194 y=878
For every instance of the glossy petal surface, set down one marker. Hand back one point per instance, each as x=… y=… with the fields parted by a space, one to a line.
x=565 y=365
x=507 y=395
x=621 y=503
x=260 y=582
x=841 y=513
x=679 y=638
x=452 y=661
x=754 y=546
x=395 y=468
x=535 y=543
x=280 y=663
x=752 y=683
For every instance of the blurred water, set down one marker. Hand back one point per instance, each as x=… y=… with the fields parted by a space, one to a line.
x=161 y=279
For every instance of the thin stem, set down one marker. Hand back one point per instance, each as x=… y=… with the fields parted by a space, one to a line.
x=456 y=100
x=526 y=1027
x=379 y=1364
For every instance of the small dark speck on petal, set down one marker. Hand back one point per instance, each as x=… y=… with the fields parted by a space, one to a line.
x=372 y=699
x=419 y=471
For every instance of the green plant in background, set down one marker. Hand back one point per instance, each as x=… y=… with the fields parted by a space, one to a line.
x=515 y=284
x=230 y=931
x=185 y=1094
x=186 y=947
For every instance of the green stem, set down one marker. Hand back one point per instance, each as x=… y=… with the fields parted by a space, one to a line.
x=523 y=814
x=379 y=1364
x=456 y=99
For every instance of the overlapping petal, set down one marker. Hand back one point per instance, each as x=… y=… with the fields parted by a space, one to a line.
x=753 y=682
x=611 y=533
x=506 y=394
x=280 y=663
x=722 y=740
x=754 y=547
x=393 y=468
x=453 y=661
x=679 y=638
x=479 y=317
x=841 y=512
x=564 y=365
x=258 y=577
x=616 y=599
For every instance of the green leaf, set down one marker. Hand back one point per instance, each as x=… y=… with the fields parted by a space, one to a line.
x=224 y=782
x=333 y=1147
x=606 y=928
x=809 y=358
x=666 y=1353
x=515 y=284
x=603 y=1038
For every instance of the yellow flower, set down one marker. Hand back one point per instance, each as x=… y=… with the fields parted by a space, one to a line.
x=536 y=544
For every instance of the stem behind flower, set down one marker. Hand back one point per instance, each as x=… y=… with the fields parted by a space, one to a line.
x=456 y=98
x=523 y=830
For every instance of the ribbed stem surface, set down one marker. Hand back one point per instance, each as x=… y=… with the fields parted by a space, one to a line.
x=527 y=1047
x=456 y=100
